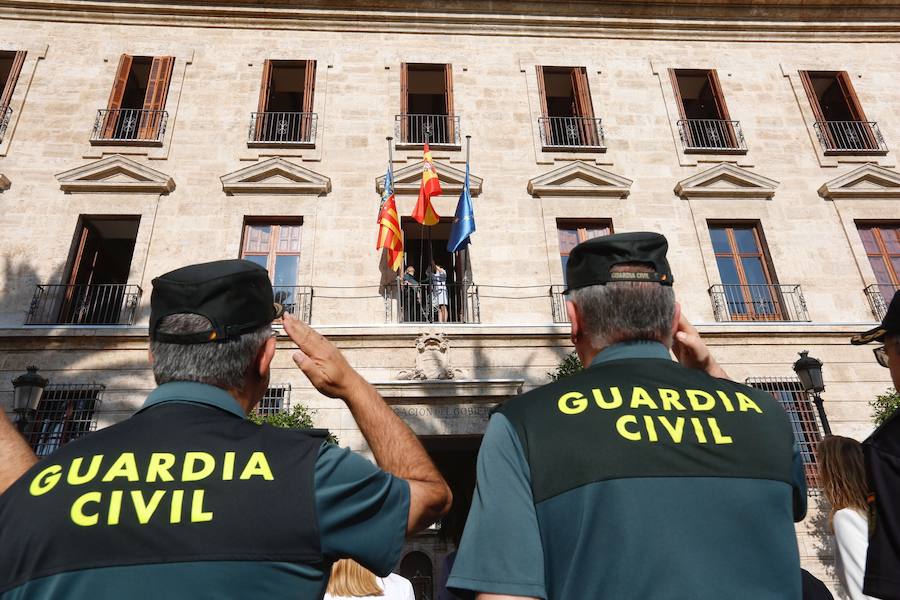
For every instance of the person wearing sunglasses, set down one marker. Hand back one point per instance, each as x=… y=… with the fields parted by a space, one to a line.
x=882 y=458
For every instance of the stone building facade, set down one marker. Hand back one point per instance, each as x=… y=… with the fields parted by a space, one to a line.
x=720 y=127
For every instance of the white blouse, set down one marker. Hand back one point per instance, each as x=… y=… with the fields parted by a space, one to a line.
x=851 y=534
x=395 y=588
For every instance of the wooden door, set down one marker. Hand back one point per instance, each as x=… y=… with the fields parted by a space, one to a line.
x=449 y=126
x=155 y=98
x=545 y=112
x=584 y=109
x=111 y=119
x=309 y=85
x=10 y=85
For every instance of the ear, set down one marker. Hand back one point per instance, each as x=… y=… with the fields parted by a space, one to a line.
x=676 y=319
x=264 y=358
x=574 y=319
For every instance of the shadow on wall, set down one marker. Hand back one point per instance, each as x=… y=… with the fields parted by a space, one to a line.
x=823 y=539
x=66 y=358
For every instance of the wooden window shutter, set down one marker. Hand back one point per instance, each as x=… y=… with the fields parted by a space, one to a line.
x=404 y=102
x=448 y=101
x=722 y=108
x=850 y=97
x=115 y=96
x=811 y=94
x=678 y=100
x=545 y=112
x=155 y=98
x=542 y=90
x=584 y=108
x=18 y=61
x=309 y=85
x=265 y=87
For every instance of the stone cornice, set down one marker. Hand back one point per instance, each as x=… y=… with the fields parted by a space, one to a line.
x=450 y=388
x=821 y=20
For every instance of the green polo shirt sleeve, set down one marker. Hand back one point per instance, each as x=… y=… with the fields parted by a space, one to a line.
x=501 y=550
x=362 y=510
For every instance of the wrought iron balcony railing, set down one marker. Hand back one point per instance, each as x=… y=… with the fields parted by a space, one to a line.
x=712 y=135
x=558 y=304
x=425 y=303
x=129 y=125
x=296 y=300
x=5 y=116
x=761 y=302
x=850 y=137
x=273 y=128
x=572 y=133
x=880 y=295
x=435 y=129
x=84 y=304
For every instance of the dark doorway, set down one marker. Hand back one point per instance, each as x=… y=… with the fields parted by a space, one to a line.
x=417 y=567
x=96 y=290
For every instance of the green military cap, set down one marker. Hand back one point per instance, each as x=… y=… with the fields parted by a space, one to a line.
x=235 y=295
x=591 y=262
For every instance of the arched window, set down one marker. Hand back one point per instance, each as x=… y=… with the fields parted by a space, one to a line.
x=417 y=567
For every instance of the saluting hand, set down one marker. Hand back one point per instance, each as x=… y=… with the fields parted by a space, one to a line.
x=691 y=352
x=321 y=361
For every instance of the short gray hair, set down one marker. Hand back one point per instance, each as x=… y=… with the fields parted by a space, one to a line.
x=621 y=311
x=223 y=364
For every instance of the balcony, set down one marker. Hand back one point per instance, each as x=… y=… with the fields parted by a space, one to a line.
x=129 y=126
x=880 y=295
x=4 y=120
x=437 y=130
x=558 y=304
x=762 y=302
x=84 y=304
x=420 y=303
x=850 y=137
x=283 y=129
x=296 y=300
x=571 y=133
x=711 y=136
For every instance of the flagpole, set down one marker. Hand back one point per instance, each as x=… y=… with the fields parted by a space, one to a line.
x=467 y=267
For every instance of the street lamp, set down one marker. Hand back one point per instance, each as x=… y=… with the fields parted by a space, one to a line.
x=27 y=390
x=809 y=371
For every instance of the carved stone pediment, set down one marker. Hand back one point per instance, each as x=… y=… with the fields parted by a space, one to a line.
x=726 y=180
x=579 y=178
x=867 y=181
x=115 y=173
x=276 y=176
x=432 y=359
x=408 y=179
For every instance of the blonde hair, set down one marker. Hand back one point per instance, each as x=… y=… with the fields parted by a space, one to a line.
x=349 y=578
x=843 y=473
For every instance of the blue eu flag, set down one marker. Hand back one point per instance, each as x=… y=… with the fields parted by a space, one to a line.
x=464 y=221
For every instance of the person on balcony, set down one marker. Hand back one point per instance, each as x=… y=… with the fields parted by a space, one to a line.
x=411 y=296
x=439 y=296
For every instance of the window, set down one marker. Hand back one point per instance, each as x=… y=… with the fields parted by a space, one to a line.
x=572 y=233
x=567 y=111
x=276 y=400
x=451 y=297
x=802 y=416
x=426 y=104
x=882 y=244
x=136 y=108
x=10 y=68
x=748 y=288
x=275 y=245
x=705 y=123
x=64 y=413
x=96 y=289
x=285 y=111
x=840 y=122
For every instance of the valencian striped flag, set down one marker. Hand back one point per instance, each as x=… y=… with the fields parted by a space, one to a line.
x=389 y=234
x=423 y=212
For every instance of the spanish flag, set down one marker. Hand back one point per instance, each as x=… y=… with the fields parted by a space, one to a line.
x=431 y=186
x=389 y=234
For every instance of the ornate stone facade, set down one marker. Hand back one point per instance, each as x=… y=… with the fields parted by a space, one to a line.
x=194 y=189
